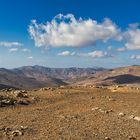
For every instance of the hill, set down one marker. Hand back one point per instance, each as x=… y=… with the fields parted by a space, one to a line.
x=122 y=75
x=29 y=77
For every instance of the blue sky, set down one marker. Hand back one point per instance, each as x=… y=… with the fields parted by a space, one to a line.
x=86 y=33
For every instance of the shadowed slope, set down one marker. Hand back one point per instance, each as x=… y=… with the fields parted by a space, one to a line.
x=124 y=79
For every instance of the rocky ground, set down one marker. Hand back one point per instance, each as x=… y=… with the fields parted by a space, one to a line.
x=70 y=113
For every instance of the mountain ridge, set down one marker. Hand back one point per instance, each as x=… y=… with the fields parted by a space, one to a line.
x=29 y=77
x=40 y=76
x=114 y=76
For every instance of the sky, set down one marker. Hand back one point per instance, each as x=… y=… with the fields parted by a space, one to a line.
x=69 y=33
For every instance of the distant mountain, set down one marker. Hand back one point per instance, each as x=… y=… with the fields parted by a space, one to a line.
x=41 y=73
x=39 y=76
x=122 y=75
x=29 y=77
x=66 y=75
x=12 y=79
x=124 y=79
x=5 y=86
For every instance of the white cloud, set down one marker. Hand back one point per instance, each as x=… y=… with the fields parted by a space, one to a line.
x=135 y=56
x=67 y=31
x=132 y=37
x=26 y=50
x=66 y=53
x=95 y=54
x=10 y=44
x=30 y=57
x=13 y=50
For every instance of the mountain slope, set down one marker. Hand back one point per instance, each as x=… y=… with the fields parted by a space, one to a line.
x=38 y=76
x=29 y=77
x=12 y=78
x=122 y=75
x=42 y=73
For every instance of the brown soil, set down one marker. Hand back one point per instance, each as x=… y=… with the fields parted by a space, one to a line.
x=78 y=113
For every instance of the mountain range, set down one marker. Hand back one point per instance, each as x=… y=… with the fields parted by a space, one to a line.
x=129 y=75
x=29 y=77
x=38 y=76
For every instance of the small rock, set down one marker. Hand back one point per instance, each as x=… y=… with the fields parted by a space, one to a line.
x=107 y=138
x=95 y=108
x=101 y=110
x=62 y=117
x=23 y=91
x=17 y=133
x=20 y=93
x=43 y=89
x=132 y=117
x=6 y=102
x=62 y=87
x=52 y=89
x=6 y=129
x=105 y=111
x=137 y=118
x=23 y=102
x=23 y=127
x=111 y=99
x=132 y=138
x=121 y=114
x=92 y=97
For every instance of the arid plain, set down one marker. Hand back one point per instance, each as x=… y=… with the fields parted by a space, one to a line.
x=74 y=113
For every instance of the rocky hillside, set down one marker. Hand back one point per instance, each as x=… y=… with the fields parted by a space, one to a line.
x=41 y=73
x=13 y=78
x=28 y=77
x=122 y=75
x=38 y=76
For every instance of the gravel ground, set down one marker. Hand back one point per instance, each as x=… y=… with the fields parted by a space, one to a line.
x=73 y=113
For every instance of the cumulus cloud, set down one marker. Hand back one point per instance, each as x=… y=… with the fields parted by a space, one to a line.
x=67 y=31
x=10 y=44
x=13 y=50
x=135 y=56
x=95 y=54
x=132 y=37
x=66 y=53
